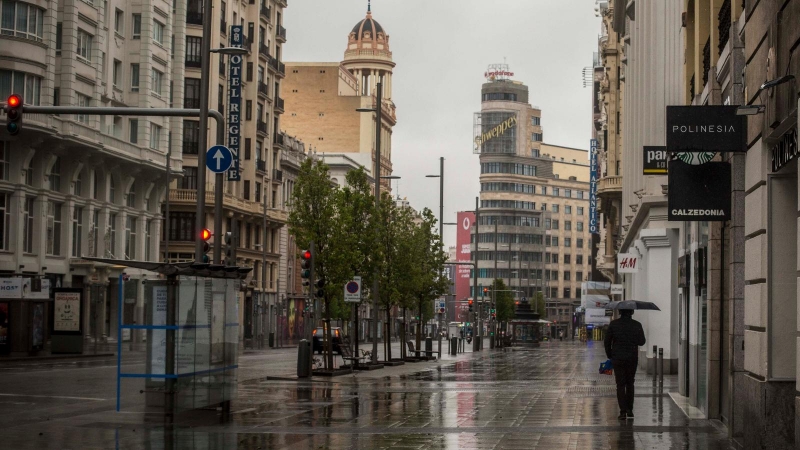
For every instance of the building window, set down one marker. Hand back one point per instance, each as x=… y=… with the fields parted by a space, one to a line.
x=77 y=231
x=55 y=176
x=27 y=224
x=117 y=73
x=567 y=242
x=568 y=193
x=556 y=191
x=567 y=209
x=130 y=200
x=580 y=226
x=579 y=244
x=28 y=171
x=119 y=20
x=21 y=20
x=193 y=46
x=191 y=137
x=134 y=131
x=580 y=195
x=555 y=208
x=189 y=180
x=84 y=45
x=130 y=237
x=580 y=210
x=5 y=220
x=536 y=137
x=567 y=259
x=5 y=160
x=53 y=228
x=578 y=276
x=554 y=243
x=258 y=192
x=158 y=81
x=567 y=225
x=112 y=189
x=83 y=101
x=137 y=26
x=147 y=241
x=181 y=226
x=134 y=77
x=536 y=121
x=95 y=233
x=247 y=189
x=567 y=274
x=155 y=136
x=13 y=82
x=59 y=34
x=191 y=93
x=248 y=110
x=112 y=231
x=158 y=32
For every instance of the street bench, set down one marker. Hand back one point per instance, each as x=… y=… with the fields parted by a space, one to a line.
x=347 y=354
x=428 y=354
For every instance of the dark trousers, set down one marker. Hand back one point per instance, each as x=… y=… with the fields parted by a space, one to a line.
x=624 y=373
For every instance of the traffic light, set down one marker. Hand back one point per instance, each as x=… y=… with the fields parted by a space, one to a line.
x=470 y=306
x=485 y=291
x=205 y=235
x=320 y=285
x=305 y=268
x=14 y=114
x=230 y=249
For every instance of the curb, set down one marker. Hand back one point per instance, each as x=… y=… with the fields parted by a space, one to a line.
x=53 y=357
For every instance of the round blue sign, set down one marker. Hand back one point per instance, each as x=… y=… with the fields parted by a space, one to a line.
x=219 y=159
x=352 y=287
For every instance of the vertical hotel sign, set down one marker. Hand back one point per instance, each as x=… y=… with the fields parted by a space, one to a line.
x=593 y=175
x=235 y=101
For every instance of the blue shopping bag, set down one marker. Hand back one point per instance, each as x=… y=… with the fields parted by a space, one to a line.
x=606 y=368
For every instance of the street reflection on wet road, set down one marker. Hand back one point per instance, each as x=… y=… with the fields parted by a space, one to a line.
x=546 y=398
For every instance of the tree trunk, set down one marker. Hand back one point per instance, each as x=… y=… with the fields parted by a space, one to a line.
x=388 y=356
x=403 y=344
x=419 y=325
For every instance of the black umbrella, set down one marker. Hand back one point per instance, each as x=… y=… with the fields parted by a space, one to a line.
x=633 y=304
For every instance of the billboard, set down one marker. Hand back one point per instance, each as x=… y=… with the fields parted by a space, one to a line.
x=595 y=294
x=495 y=132
x=463 y=253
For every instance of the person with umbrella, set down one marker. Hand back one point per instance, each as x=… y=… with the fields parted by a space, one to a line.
x=622 y=342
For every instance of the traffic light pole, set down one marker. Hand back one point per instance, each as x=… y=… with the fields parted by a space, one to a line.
x=162 y=112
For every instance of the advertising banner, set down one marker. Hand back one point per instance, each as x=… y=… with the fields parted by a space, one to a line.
x=655 y=160
x=594 y=226
x=158 y=344
x=235 y=101
x=595 y=294
x=596 y=316
x=699 y=192
x=705 y=129
x=67 y=307
x=18 y=288
x=463 y=253
x=495 y=132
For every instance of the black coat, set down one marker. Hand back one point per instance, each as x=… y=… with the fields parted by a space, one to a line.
x=623 y=338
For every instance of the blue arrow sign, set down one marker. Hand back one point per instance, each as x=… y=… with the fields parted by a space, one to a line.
x=219 y=159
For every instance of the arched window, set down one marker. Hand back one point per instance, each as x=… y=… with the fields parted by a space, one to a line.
x=78 y=184
x=131 y=200
x=55 y=176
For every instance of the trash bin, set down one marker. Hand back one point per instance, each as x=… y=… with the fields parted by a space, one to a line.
x=491 y=342
x=453 y=346
x=428 y=344
x=304 y=359
x=272 y=340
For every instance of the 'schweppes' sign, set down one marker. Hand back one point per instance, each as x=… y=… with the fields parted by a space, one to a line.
x=699 y=192
x=705 y=129
x=594 y=226
x=235 y=102
x=785 y=150
x=655 y=160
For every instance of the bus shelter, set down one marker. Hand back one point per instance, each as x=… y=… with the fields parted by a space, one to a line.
x=191 y=326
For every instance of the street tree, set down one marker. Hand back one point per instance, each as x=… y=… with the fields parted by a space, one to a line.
x=503 y=302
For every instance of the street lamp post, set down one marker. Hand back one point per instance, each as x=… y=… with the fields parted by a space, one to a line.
x=378 y=110
x=205 y=70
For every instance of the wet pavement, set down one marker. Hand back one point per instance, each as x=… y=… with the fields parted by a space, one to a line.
x=546 y=398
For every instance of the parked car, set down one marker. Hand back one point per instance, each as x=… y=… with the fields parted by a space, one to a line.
x=318 y=342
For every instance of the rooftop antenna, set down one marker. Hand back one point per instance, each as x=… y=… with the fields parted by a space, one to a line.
x=369 y=6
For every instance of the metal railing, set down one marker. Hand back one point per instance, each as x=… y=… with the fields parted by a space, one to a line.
x=263 y=89
x=190 y=147
x=191 y=103
x=194 y=18
x=261 y=127
x=277 y=175
x=193 y=61
x=279 y=103
x=266 y=11
x=263 y=50
x=279 y=138
x=281 y=34
x=261 y=165
x=724 y=26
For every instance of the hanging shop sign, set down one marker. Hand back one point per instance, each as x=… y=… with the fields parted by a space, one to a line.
x=785 y=150
x=627 y=263
x=705 y=129
x=235 y=102
x=655 y=160
x=594 y=226
x=700 y=192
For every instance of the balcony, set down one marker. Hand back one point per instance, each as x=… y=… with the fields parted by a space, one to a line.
x=610 y=185
x=191 y=103
x=248 y=44
x=263 y=89
x=194 y=18
x=292 y=158
x=279 y=138
x=193 y=61
x=223 y=27
x=276 y=66
x=281 y=34
x=266 y=12
x=190 y=147
x=263 y=50
x=230 y=202
x=277 y=176
x=261 y=166
x=279 y=104
x=261 y=127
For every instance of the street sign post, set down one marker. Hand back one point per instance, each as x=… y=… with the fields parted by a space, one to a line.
x=219 y=159
x=352 y=290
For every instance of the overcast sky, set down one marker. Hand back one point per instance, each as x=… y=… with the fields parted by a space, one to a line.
x=442 y=48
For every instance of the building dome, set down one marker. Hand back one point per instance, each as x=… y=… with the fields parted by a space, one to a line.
x=368 y=31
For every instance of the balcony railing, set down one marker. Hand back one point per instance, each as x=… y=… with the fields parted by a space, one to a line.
x=279 y=103
x=277 y=176
x=230 y=201
x=277 y=66
x=279 y=138
x=194 y=18
x=706 y=61
x=263 y=89
x=261 y=127
x=263 y=50
x=222 y=71
x=724 y=26
x=248 y=43
x=191 y=103
x=266 y=11
x=190 y=147
x=193 y=61
x=281 y=34
x=261 y=165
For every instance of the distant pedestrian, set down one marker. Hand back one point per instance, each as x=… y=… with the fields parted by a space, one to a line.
x=561 y=335
x=622 y=341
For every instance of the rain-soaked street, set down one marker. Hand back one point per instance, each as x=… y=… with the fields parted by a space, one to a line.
x=546 y=398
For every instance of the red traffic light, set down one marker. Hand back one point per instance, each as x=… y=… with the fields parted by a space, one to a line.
x=470 y=302
x=14 y=100
x=206 y=234
x=306 y=254
x=485 y=290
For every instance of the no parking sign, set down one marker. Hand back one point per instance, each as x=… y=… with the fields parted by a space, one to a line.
x=352 y=290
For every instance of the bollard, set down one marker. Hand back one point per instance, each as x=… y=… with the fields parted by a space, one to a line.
x=271 y=340
x=661 y=369
x=453 y=346
x=655 y=366
x=304 y=359
x=428 y=345
x=491 y=342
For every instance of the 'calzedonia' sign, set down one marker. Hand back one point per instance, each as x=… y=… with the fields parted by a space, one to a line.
x=705 y=129
x=700 y=192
